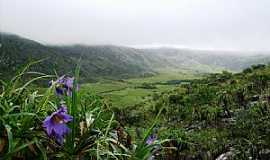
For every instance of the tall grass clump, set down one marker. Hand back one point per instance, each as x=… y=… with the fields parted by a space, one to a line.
x=58 y=122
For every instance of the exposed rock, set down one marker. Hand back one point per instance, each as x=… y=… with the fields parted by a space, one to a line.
x=265 y=154
x=225 y=156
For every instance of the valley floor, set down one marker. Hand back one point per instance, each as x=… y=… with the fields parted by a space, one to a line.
x=129 y=92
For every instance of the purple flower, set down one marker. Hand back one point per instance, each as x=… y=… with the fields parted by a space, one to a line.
x=59 y=91
x=69 y=82
x=55 y=124
x=69 y=85
x=64 y=84
x=150 y=140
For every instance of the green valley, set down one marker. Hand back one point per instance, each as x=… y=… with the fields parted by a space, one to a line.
x=129 y=92
x=111 y=102
x=134 y=80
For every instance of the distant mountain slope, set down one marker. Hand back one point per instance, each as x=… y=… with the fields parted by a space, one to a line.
x=208 y=61
x=97 y=61
x=180 y=59
x=16 y=52
x=115 y=62
x=108 y=61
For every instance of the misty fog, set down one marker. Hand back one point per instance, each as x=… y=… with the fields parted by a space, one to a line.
x=199 y=24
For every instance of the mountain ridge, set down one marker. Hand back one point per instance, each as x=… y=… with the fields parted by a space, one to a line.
x=116 y=62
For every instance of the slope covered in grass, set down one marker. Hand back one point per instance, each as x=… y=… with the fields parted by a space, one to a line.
x=116 y=62
x=222 y=114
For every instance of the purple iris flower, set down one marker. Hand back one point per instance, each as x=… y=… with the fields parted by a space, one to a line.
x=150 y=140
x=69 y=82
x=55 y=124
x=69 y=85
x=64 y=84
x=59 y=91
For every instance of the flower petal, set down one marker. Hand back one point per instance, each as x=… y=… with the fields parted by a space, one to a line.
x=59 y=91
x=61 y=129
x=59 y=139
x=66 y=117
x=62 y=109
x=69 y=82
x=48 y=124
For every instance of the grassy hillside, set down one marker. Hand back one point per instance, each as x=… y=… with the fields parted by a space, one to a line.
x=97 y=62
x=114 y=62
x=16 y=52
x=108 y=61
x=222 y=114
x=203 y=61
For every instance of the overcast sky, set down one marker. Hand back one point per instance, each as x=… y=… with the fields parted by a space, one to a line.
x=205 y=24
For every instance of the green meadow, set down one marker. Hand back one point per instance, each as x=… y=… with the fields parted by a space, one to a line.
x=129 y=92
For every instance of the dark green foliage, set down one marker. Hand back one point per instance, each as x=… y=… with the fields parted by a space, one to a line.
x=147 y=86
x=223 y=113
x=173 y=82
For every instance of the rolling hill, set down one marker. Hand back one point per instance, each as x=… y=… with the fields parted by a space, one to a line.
x=96 y=61
x=116 y=62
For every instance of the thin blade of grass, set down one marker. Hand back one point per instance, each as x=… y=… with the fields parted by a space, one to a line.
x=42 y=150
x=8 y=155
x=10 y=138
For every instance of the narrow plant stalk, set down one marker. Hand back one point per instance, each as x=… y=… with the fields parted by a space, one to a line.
x=74 y=105
x=73 y=113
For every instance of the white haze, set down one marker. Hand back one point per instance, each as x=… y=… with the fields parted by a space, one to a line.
x=203 y=24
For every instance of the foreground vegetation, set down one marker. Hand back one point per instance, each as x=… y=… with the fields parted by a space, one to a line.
x=222 y=115
x=60 y=123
